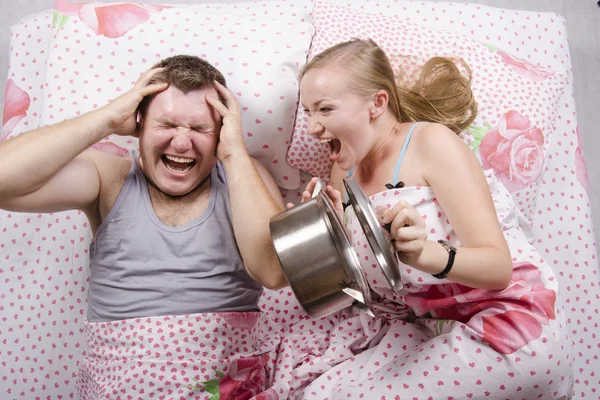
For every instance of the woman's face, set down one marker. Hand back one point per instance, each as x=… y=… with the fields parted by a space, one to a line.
x=336 y=115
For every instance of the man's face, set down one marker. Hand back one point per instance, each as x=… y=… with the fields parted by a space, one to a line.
x=178 y=139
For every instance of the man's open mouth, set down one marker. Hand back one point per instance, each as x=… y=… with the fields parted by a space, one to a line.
x=180 y=165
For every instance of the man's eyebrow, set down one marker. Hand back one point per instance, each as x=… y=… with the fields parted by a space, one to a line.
x=201 y=127
x=170 y=122
x=165 y=121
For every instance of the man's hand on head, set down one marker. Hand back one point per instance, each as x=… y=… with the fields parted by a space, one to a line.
x=231 y=141
x=121 y=113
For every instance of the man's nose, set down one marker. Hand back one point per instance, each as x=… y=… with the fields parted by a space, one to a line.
x=181 y=141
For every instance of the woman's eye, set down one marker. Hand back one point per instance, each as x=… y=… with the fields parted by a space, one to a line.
x=325 y=109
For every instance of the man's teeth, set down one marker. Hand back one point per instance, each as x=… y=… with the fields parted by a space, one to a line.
x=179 y=159
x=325 y=140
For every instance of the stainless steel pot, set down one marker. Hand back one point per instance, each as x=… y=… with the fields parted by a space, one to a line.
x=317 y=258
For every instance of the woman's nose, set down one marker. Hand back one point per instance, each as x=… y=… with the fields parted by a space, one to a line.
x=314 y=127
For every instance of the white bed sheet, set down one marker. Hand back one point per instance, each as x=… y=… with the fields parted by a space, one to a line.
x=43 y=258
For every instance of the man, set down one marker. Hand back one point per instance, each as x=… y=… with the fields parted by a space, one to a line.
x=181 y=227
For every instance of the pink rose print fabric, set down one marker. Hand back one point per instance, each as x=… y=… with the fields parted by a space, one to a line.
x=111 y=148
x=536 y=73
x=16 y=104
x=246 y=378
x=43 y=257
x=436 y=337
x=204 y=356
x=111 y=20
x=508 y=320
x=515 y=150
x=99 y=50
x=501 y=84
x=580 y=166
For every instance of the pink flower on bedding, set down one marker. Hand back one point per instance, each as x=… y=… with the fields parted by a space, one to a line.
x=110 y=20
x=16 y=104
x=509 y=331
x=268 y=394
x=241 y=320
x=507 y=320
x=246 y=378
x=580 y=166
x=514 y=149
x=534 y=72
x=111 y=148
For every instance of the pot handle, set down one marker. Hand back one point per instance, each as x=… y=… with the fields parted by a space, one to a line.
x=318 y=187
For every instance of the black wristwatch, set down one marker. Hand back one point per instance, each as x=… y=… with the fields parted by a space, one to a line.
x=451 y=254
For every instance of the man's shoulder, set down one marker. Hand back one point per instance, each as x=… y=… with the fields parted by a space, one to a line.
x=111 y=166
x=113 y=171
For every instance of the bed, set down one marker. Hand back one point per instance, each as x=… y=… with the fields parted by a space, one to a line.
x=44 y=257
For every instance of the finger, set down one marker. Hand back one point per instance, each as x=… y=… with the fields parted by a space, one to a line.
x=290 y=205
x=230 y=98
x=333 y=194
x=336 y=198
x=392 y=212
x=409 y=233
x=306 y=195
x=153 y=88
x=408 y=247
x=148 y=75
x=380 y=211
x=310 y=187
x=217 y=105
x=403 y=218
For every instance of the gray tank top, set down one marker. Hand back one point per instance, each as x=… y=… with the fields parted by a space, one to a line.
x=141 y=267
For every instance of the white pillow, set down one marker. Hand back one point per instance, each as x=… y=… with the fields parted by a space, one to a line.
x=100 y=50
x=514 y=96
x=522 y=33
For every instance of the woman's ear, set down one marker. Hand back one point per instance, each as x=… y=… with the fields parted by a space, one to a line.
x=380 y=103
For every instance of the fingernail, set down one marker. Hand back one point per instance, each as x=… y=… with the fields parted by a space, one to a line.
x=381 y=213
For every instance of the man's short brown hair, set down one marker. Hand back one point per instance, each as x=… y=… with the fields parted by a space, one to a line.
x=186 y=73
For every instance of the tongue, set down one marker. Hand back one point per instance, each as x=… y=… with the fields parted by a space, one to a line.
x=336 y=146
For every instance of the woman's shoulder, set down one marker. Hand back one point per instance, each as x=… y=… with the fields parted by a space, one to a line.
x=430 y=138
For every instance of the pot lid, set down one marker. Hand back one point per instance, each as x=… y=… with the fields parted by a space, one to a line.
x=379 y=241
x=358 y=287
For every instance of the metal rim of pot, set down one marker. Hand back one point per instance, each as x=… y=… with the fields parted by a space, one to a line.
x=351 y=280
x=381 y=245
x=344 y=247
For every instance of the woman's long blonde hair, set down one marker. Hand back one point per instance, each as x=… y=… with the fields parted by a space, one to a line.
x=442 y=94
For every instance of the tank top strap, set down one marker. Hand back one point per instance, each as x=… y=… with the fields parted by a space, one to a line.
x=398 y=163
x=403 y=152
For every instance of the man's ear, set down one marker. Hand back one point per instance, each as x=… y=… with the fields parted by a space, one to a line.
x=139 y=120
x=380 y=102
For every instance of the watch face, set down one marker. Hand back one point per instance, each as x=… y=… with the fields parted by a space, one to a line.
x=447 y=245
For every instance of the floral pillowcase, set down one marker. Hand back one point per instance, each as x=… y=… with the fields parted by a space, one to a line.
x=96 y=51
x=517 y=100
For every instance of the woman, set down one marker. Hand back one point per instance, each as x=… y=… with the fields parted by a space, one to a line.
x=488 y=318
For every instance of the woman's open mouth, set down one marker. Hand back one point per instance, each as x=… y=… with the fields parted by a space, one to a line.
x=179 y=165
x=335 y=146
